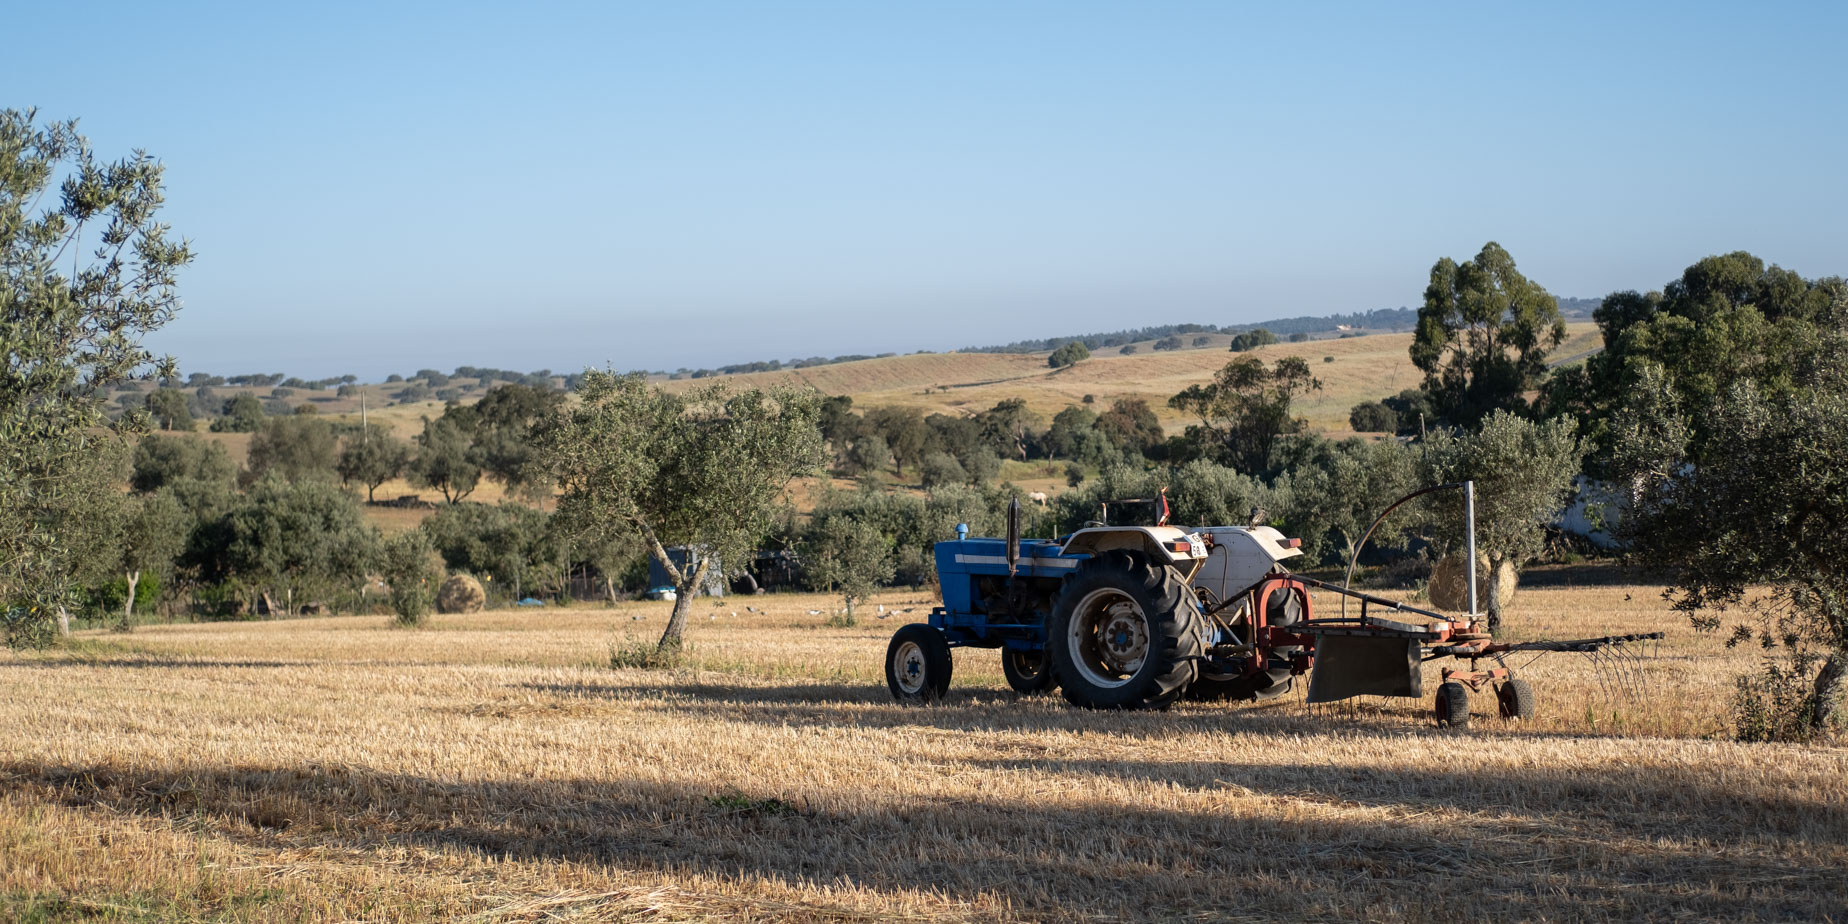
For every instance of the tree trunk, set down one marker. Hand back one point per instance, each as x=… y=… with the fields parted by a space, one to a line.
x=128 y=606
x=609 y=587
x=683 y=604
x=1830 y=682
x=64 y=621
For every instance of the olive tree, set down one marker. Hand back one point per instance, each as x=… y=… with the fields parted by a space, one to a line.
x=85 y=273
x=1523 y=472
x=849 y=556
x=1759 y=497
x=702 y=469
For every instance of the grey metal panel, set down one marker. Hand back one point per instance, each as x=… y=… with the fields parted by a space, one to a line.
x=1348 y=666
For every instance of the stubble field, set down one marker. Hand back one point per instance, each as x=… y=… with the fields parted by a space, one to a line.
x=493 y=767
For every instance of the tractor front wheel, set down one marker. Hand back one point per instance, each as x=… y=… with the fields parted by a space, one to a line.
x=918 y=664
x=1027 y=672
x=1124 y=635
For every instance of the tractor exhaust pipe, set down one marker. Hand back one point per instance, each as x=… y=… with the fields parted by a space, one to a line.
x=1013 y=536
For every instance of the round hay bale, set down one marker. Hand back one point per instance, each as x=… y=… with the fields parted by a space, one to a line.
x=460 y=594
x=1449 y=587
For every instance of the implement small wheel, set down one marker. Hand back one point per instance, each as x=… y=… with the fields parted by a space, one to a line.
x=918 y=664
x=1027 y=672
x=1452 y=706
x=1516 y=698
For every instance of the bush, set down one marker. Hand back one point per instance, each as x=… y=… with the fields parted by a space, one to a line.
x=1070 y=353
x=1373 y=417
x=414 y=570
x=1298 y=337
x=1777 y=704
x=1168 y=343
x=1128 y=350
x=941 y=468
x=646 y=657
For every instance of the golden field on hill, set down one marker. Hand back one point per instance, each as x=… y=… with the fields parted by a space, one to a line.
x=494 y=768
x=1364 y=369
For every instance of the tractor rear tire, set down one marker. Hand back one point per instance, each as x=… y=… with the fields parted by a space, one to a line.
x=1452 y=707
x=1283 y=609
x=1125 y=634
x=918 y=664
x=1027 y=672
x=1516 y=698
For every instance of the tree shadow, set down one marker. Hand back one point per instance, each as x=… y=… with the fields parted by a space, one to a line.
x=820 y=705
x=1083 y=858
x=139 y=662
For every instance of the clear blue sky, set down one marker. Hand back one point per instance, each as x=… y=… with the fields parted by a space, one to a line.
x=378 y=187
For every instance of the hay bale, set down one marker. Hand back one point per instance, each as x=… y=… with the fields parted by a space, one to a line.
x=460 y=594
x=1449 y=587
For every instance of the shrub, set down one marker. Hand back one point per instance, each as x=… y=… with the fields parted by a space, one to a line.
x=646 y=657
x=1373 y=417
x=1776 y=704
x=941 y=468
x=414 y=570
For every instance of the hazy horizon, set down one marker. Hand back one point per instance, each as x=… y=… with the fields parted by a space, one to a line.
x=374 y=190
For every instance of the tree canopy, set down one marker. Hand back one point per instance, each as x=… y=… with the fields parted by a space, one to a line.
x=81 y=282
x=1483 y=335
x=703 y=470
x=1245 y=409
x=1746 y=486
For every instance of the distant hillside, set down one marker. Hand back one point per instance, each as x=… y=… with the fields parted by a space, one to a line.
x=1379 y=320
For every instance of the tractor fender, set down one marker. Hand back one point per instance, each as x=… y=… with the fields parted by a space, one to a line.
x=1168 y=545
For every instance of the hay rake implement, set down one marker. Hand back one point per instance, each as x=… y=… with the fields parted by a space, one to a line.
x=1137 y=617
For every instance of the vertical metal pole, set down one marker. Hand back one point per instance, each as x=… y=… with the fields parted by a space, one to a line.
x=1469 y=523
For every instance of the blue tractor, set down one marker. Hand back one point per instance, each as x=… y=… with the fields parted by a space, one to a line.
x=1137 y=617
x=1116 y=617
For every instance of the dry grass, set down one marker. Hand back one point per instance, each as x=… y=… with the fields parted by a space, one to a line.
x=493 y=768
x=1364 y=369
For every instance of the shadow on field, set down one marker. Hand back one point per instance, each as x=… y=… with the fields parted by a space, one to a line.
x=1601 y=854
x=161 y=662
x=871 y=706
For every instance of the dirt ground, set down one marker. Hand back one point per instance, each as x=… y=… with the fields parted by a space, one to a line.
x=494 y=767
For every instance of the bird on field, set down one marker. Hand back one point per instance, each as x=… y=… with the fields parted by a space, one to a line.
x=814 y=612
x=881 y=607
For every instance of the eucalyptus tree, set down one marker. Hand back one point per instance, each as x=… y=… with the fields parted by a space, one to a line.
x=1484 y=333
x=703 y=470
